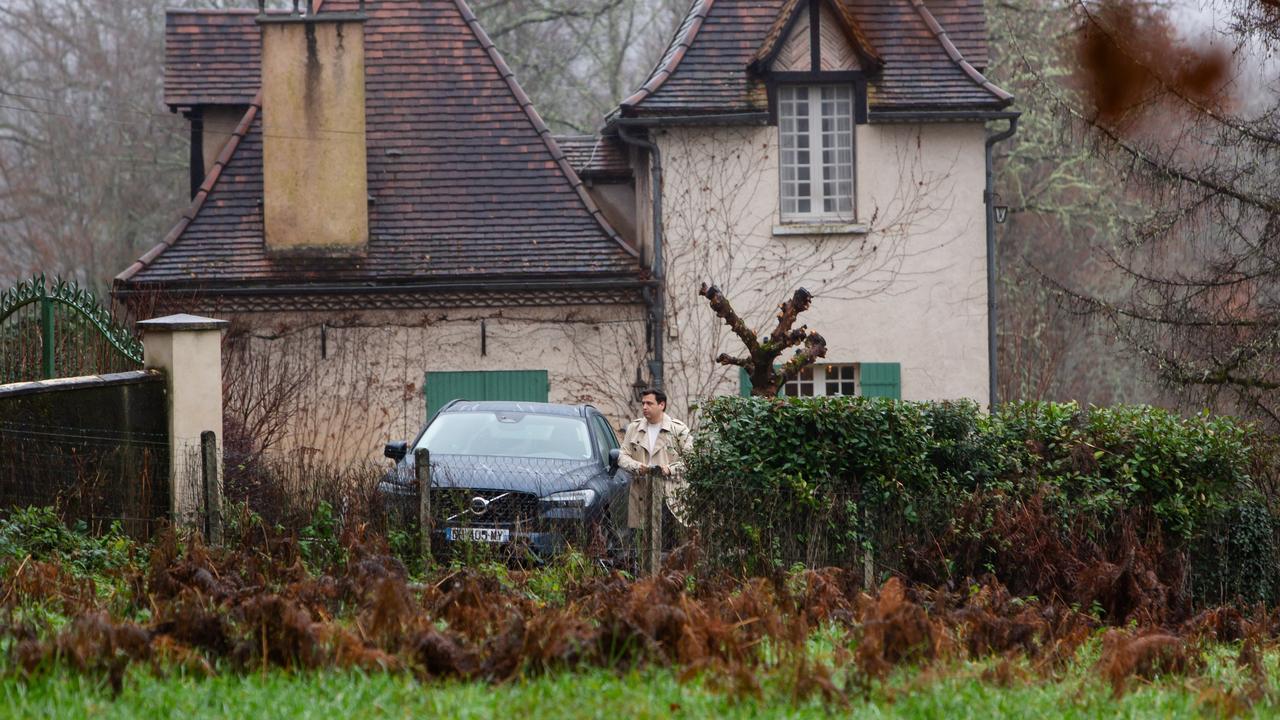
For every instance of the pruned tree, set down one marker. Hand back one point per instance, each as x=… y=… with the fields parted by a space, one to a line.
x=760 y=362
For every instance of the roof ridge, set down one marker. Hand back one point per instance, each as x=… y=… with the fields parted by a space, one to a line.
x=543 y=131
x=954 y=53
x=675 y=52
x=210 y=11
x=202 y=194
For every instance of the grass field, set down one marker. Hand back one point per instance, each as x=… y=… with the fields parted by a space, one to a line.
x=956 y=690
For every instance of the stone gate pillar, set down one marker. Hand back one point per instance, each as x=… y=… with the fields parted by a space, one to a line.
x=188 y=349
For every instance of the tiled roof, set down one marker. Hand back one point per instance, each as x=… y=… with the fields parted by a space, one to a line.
x=966 y=24
x=466 y=179
x=926 y=66
x=595 y=156
x=211 y=57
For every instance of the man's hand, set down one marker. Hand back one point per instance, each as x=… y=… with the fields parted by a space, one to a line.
x=665 y=470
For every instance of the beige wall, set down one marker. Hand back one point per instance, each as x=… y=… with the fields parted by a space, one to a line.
x=910 y=290
x=617 y=202
x=217 y=126
x=366 y=386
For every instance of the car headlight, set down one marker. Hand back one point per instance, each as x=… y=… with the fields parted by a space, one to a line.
x=571 y=498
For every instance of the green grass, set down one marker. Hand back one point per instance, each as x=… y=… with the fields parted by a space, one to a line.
x=957 y=690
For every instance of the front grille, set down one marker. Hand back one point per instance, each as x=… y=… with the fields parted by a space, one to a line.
x=456 y=507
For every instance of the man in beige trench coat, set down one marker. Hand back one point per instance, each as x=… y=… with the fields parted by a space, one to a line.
x=651 y=449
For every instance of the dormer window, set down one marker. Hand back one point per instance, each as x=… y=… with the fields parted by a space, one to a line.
x=815 y=128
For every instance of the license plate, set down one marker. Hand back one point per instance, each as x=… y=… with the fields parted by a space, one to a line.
x=493 y=535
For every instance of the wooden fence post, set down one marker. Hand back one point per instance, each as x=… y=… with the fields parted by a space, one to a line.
x=868 y=561
x=652 y=558
x=422 y=471
x=212 y=488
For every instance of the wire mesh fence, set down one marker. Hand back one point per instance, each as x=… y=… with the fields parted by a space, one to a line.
x=96 y=449
x=96 y=475
x=752 y=530
x=512 y=508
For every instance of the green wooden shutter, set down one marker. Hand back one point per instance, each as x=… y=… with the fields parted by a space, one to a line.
x=744 y=383
x=882 y=380
x=514 y=385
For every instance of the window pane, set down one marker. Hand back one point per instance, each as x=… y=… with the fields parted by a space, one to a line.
x=796 y=145
x=816 y=156
x=837 y=150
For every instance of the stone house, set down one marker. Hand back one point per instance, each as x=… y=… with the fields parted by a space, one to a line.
x=389 y=224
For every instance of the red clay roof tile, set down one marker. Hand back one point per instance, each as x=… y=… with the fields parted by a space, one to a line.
x=466 y=179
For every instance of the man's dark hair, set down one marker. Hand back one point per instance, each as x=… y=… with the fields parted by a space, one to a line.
x=658 y=395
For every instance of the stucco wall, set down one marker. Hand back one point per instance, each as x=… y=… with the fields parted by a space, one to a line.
x=357 y=378
x=617 y=201
x=218 y=124
x=912 y=289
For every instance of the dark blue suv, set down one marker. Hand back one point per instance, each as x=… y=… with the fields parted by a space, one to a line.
x=517 y=474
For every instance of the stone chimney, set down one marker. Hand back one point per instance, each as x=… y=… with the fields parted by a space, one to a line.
x=315 y=195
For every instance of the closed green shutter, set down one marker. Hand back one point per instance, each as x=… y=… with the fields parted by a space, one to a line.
x=881 y=380
x=514 y=385
x=744 y=383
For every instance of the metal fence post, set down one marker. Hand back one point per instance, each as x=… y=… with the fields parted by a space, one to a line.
x=46 y=335
x=422 y=471
x=212 y=488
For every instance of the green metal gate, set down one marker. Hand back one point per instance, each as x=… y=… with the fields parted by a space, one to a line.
x=516 y=385
x=58 y=329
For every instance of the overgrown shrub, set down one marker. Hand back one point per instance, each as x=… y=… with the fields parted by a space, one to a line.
x=38 y=533
x=942 y=492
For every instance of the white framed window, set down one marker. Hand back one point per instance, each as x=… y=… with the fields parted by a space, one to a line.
x=824 y=381
x=815 y=130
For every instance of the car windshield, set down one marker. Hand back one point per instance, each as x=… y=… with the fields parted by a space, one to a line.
x=508 y=435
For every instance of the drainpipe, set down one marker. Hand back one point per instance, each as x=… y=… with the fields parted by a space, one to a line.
x=988 y=198
x=657 y=295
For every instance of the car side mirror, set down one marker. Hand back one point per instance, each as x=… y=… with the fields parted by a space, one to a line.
x=396 y=450
x=614 y=454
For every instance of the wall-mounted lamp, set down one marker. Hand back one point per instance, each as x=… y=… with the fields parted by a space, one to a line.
x=1001 y=212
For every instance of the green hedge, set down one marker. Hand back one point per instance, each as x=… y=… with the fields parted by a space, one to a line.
x=936 y=491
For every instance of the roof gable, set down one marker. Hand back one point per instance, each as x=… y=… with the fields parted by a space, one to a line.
x=708 y=68
x=842 y=45
x=465 y=178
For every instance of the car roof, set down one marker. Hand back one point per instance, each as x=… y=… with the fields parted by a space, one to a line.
x=533 y=408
